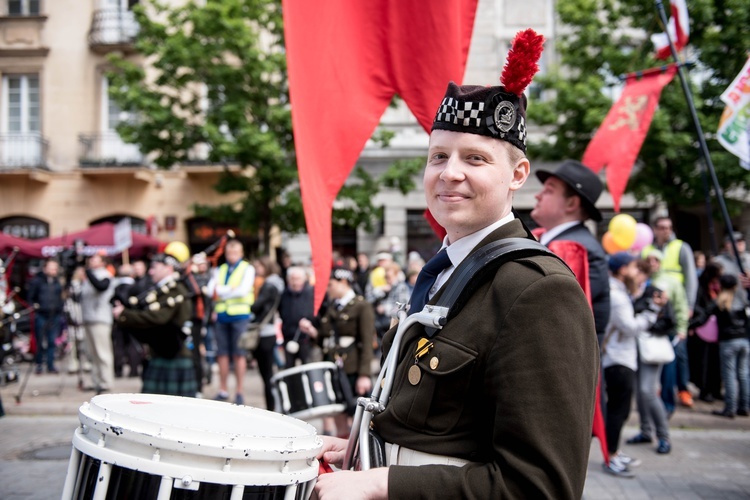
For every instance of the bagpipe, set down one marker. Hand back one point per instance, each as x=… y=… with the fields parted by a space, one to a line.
x=149 y=298
x=15 y=316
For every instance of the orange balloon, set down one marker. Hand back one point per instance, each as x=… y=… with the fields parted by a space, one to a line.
x=609 y=244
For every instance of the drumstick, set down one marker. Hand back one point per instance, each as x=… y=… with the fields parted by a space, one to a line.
x=324 y=468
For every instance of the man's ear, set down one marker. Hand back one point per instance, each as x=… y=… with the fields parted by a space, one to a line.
x=521 y=172
x=573 y=204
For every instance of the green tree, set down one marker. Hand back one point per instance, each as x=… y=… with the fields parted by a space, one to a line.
x=602 y=39
x=211 y=75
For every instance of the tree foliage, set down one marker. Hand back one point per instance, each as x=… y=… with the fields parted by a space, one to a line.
x=211 y=86
x=602 y=39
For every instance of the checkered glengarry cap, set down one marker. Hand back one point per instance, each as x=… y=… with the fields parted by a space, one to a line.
x=488 y=111
x=342 y=273
x=498 y=112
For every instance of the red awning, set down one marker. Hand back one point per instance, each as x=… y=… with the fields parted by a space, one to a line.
x=98 y=238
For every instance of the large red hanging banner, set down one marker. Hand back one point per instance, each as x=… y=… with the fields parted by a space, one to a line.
x=619 y=139
x=346 y=61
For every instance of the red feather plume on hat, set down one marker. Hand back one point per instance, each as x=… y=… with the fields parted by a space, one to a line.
x=521 y=64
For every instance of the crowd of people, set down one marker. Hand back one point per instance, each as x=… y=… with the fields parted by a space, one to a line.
x=126 y=320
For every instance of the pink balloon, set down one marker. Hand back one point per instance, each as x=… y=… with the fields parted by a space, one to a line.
x=644 y=236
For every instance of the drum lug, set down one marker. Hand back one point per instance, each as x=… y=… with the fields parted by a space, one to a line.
x=186 y=483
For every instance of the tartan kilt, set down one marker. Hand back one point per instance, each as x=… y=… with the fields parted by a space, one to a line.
x=175 y=377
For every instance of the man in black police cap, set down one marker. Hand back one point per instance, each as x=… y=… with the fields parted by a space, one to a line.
x=566 y=201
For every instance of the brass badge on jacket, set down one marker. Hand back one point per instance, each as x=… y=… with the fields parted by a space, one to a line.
x=415 y=374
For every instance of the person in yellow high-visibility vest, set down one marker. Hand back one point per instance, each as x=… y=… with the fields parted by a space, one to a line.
x=232 y=287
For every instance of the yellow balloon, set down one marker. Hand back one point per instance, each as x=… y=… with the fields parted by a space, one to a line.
x=178 y=250
x=623 y=229
x=609 y=244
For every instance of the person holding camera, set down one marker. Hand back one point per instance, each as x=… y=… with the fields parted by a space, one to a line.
x=620 y=356
x=651 y=408
x=96 y=292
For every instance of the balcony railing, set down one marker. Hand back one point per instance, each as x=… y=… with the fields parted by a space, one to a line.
x=112 y=28
x=23 y=150
x=108 y=150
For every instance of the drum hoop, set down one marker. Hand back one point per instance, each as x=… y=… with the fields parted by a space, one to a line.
x=319 y=411
x=323 y=365
x=303 y=471
x=98 y=415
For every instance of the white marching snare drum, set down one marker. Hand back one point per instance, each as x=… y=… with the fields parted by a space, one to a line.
x=308 y=391
x=143 y=446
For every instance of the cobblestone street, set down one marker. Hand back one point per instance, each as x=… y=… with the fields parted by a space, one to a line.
x=710 y=456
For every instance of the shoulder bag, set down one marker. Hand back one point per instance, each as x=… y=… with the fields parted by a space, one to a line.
x=709 y=331
x=655 y=349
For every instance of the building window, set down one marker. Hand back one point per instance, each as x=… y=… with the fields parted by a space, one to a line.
x=112 y=147
x=22 y=143
x=119 y=4
x=21 y=110
x=23 y=7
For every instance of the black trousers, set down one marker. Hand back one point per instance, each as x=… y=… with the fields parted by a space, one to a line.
x=264 y=355
x=620 y=383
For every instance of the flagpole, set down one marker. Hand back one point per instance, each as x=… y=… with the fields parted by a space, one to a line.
x=701 y=138
x=658 y=69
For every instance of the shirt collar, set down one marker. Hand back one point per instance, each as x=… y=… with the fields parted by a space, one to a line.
x=460 y=249
x=551 y=234
x=348 y=297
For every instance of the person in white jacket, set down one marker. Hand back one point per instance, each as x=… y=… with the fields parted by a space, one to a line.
x=620 y=354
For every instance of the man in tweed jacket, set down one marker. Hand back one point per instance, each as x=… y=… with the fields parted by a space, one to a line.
x=503 y=403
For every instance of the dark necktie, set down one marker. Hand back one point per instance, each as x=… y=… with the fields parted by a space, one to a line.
x=426 y=279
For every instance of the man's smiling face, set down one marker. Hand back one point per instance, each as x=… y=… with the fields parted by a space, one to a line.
x=469 y=181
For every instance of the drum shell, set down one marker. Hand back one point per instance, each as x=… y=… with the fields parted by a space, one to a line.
x=308 y=391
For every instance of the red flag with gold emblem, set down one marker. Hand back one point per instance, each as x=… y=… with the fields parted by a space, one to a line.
x=619 y=139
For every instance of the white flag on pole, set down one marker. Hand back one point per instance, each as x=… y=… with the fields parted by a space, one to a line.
x=734 y=127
